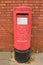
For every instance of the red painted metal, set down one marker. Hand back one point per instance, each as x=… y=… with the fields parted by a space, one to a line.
x=22 y=33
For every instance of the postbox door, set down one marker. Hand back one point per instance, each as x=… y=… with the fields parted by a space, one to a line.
x=22 y=32
x=22 y=28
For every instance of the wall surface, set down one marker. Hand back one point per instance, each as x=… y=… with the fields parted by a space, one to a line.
x=6 y=23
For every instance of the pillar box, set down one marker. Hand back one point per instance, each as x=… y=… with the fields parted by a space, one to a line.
x=22 y=17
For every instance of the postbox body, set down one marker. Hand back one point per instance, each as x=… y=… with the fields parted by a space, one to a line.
x=22 y=27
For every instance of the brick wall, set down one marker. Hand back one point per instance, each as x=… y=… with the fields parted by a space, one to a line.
x=6 y=23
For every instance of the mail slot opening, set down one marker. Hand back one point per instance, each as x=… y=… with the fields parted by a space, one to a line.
x=22 y=14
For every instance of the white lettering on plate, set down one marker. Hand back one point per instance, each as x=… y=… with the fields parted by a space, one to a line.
x=22 y=20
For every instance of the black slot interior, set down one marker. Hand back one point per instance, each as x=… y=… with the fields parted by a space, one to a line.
x=22 y=14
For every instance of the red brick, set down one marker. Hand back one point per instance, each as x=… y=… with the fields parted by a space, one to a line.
x=2 y=5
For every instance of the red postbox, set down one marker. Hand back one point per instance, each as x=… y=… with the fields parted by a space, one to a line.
x=22 y=32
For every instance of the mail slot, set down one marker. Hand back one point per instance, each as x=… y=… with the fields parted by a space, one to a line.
x=22 y=17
